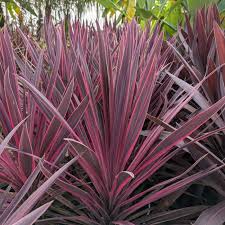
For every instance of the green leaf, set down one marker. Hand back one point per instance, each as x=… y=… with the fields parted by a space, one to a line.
x=141 y=4
x=9 y=7
x=109 y=4
x=173 y=15
x=221 y=6
x=27 y=6
x=145 y=14
x=196 y=4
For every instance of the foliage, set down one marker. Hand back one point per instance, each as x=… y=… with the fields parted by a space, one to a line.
x=203 y=46
x=38 y=136
x=135 y=120
x=14 y=7
x=16 y=211
x=169 y=13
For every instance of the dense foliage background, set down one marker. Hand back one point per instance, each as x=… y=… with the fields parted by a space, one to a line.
x=169 y=13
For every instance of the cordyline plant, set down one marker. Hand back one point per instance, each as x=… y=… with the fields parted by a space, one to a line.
x=51 y=114
x=98 y=96
x=203 y=57
x=120 y=75
x=16 y=211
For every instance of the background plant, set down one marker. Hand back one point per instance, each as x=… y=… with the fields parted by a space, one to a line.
x=168 y=13
x=198 y=62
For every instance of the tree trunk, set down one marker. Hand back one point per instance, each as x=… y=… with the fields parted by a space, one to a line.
x=2 y=19
x=39 y=22
x=48 y=10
